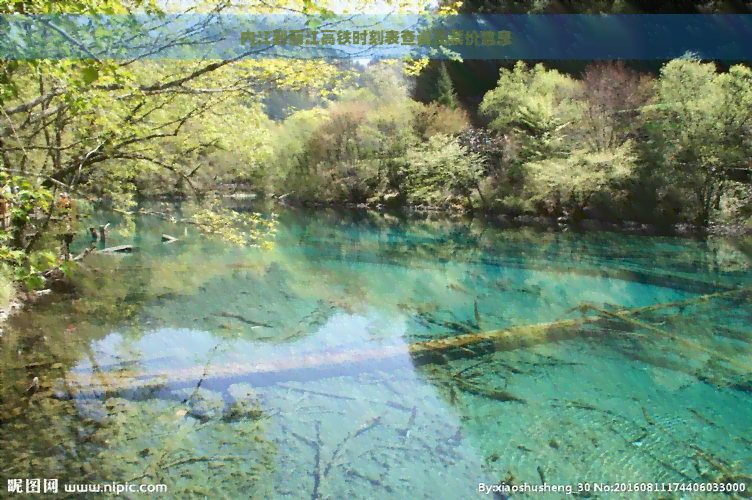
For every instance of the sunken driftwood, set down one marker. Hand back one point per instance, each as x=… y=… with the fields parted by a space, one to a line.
x=99 y=235
x=126 y=249
x=426 y=352
x=167 y=239
x=119 y=249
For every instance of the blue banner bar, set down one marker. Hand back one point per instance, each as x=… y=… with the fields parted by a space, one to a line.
x=199 y=36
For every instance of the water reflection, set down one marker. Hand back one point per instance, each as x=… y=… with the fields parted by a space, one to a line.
x=352 y=362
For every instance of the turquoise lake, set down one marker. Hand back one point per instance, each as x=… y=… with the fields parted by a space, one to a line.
x=367 y=356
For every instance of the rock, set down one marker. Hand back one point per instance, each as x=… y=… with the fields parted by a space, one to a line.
x=203 y=405
x=58 y=282
x=93 y=409
x=245 y=405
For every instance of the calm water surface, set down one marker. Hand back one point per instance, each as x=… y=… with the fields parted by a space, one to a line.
x=313 y=370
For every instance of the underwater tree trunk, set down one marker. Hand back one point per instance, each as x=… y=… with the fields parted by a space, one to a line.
x=427 y=352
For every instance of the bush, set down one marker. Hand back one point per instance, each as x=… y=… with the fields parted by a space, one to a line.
x=566 y=138
x=612 y=97
x=572 y=181
x=344 y=158
x=536 y=108
x=435 y=118
x=700 y=126
x=442 y=172
x=736 y=204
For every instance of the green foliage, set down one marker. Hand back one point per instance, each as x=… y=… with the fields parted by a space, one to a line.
x=7 y=290
x=571 y=181
x=441 y=171
x=537 y=107
x=447 y=95
x=557 y=133
x=701 y=125
x=26 y=202
x=114 y=131
x=674 y=138
x=386 y=81
x=736 y=203
x=362 y=152
x=237 y=227
x=288 y=146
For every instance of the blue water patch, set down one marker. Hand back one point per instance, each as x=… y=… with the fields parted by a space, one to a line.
x=295 y=373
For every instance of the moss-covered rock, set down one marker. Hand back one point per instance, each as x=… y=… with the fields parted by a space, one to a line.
x=245 y=405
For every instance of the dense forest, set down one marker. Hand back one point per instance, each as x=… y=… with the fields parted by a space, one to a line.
x=664 y=144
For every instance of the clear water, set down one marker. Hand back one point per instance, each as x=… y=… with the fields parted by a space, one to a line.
x=226 y=372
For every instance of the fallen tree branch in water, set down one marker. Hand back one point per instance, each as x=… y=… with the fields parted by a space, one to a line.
x=316 y=446
x=428 y=352
x=646 y=326
x=337 y=455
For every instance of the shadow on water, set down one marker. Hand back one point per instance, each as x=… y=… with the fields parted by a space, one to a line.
x=368 y=356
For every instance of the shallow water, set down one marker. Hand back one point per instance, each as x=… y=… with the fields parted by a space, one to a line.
x=313 y=370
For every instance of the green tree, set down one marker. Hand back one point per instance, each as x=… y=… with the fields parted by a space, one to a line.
x=537 y=107
x=447 y=95
x=442 y=172
x=112 y=129
x=550 y=121
x=701 y=126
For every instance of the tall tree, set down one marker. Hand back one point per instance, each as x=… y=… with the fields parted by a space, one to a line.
x=701 y=124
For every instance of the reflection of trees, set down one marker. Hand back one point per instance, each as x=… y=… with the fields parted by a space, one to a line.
x=433 y=279
x=128 y=442
x=46 y=437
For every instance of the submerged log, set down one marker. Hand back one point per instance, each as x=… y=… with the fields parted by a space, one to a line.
x=339 y=363
x=103 y=234
x=119 y=249
x=167 y=239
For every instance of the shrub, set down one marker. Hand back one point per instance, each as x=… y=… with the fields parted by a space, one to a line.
x=700 y=126
x=612 y=97
x=736 y=204
x=537 y=108
x=441 y=171
x=351 y=155
x=289 y=139
x=572 y=181
x=372 y=152
x=435 y=118
x=7 y=290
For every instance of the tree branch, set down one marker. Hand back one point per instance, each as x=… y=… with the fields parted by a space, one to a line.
x=138 y=156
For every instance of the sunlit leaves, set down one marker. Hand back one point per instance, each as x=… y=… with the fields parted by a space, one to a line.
x=236 y=227
x=581 y=174
x=537 y=106
x=442 y=170
x=548 y=117
x=702 y=123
